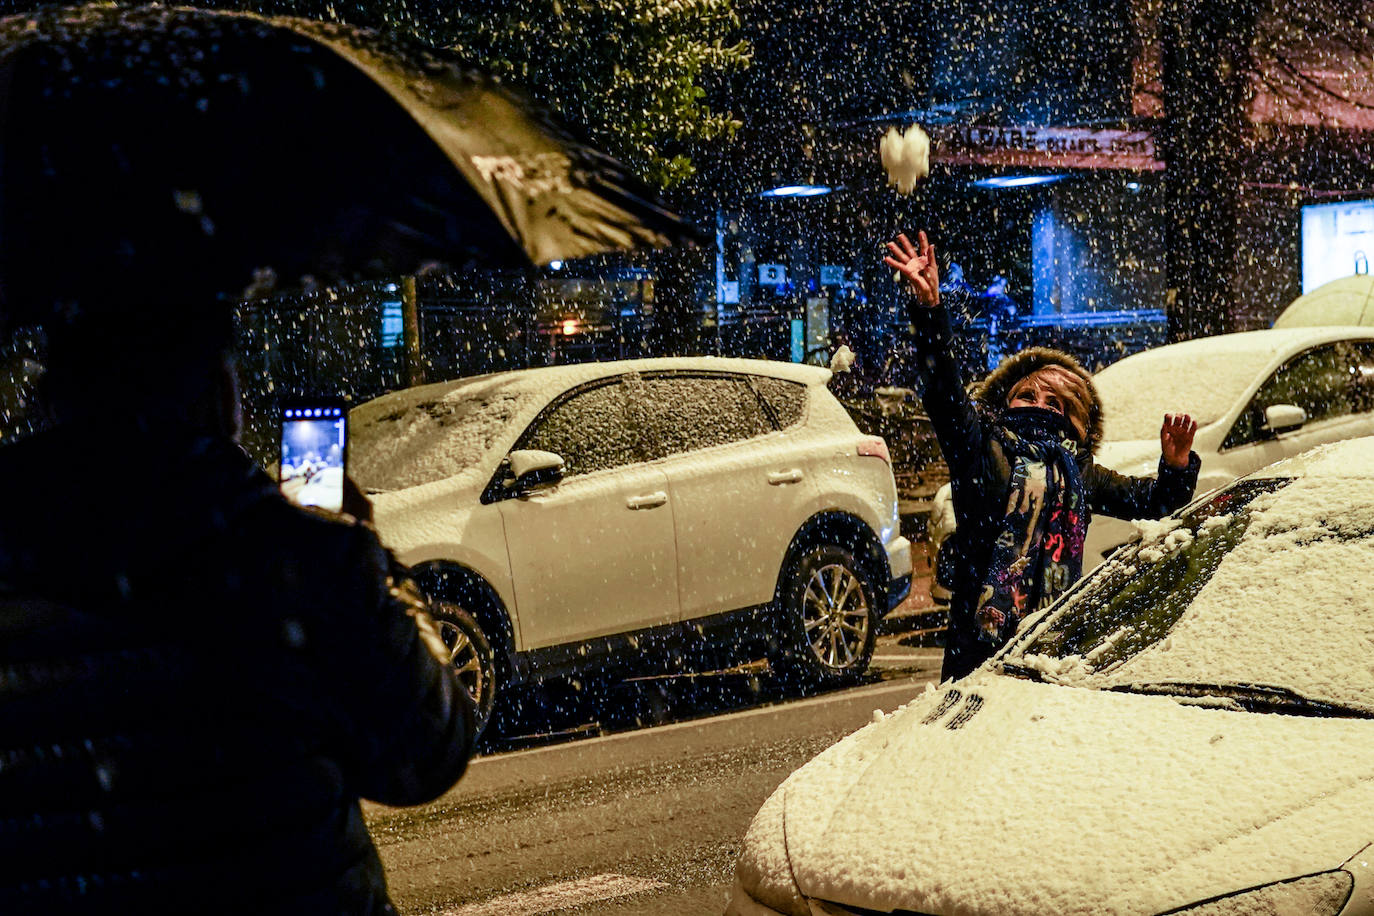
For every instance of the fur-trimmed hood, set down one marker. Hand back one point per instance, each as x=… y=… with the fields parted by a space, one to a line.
x=991 y=393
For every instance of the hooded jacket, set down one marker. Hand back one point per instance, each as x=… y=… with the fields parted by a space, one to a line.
x=198 y=682
x=992 y=392
x=980 y=471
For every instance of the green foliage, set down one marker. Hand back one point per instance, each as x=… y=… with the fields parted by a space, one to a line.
x=631 y=73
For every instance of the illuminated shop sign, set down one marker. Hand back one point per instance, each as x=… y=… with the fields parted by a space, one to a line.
x=1044 y=147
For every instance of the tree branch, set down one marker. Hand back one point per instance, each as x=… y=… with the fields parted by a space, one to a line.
x=1318 y=86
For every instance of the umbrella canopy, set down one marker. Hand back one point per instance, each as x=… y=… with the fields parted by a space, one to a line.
x=157 y=154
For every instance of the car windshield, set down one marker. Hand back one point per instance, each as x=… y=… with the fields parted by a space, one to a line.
x=1183 y=378
x=1261 y=596
x=434 y=432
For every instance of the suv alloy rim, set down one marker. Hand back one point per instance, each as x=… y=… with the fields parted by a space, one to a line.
x=464 y=660
x=835 y=615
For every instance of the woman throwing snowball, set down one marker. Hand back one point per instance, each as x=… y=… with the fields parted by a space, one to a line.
x=1024 y=482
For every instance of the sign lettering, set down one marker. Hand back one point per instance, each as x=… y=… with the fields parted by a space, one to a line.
x=1044 y=147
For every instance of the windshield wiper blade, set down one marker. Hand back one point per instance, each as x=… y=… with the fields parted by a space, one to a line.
x=1022 y=671
x=1251 y=697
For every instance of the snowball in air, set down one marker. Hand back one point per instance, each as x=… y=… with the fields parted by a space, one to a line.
x=906 y=157
x=842 y=360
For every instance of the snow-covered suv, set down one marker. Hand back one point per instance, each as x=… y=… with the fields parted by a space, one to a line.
x=615 y=514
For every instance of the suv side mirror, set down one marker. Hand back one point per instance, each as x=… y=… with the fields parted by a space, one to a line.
x=529 y=469
x=1283 y=418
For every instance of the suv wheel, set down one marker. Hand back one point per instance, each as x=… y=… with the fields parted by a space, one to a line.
x=470 y=656
x=829 y=620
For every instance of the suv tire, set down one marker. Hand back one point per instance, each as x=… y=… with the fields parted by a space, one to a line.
x=829 y=620
x=470 y=656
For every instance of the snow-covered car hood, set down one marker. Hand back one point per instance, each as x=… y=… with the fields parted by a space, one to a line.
x=427 y=515
x=1129 y=456
x=999 y=795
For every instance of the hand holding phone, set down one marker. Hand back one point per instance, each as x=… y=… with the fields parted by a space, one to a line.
x=314 y=449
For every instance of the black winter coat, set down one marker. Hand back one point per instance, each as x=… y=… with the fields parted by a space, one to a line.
x=980 y=473
x=198 y=682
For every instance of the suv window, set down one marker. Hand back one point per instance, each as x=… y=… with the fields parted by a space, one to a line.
x=787 y=400
x=1362 y=376
x=683 y=413
x=1320 y=381
x=590 y=429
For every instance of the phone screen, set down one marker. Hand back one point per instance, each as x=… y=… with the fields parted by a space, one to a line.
x=314 y=447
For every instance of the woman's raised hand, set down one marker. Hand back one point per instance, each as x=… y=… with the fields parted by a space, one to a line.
x=917 y=265
x=1176 y=438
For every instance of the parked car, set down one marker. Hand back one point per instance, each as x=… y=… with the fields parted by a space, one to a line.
x=1349 y=300
x=1189 y=730
x=619 y=514
x=1257 y=396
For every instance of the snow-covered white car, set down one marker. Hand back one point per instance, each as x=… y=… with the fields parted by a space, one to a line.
x=1189 y=730
x=616 y=514
x=1257 y=397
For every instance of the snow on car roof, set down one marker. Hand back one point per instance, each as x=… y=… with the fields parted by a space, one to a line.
x=558 y=378
x=1204 y=377
x=431 y=432
x=1348 y=301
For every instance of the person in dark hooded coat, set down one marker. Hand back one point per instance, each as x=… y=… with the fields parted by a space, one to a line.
x=1025 y=486
x=198 y=680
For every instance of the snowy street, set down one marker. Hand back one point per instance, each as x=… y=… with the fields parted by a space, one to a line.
x=647 y=821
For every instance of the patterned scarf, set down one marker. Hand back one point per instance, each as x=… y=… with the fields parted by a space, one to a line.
x=1038 y=552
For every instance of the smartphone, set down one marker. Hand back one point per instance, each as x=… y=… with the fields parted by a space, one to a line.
x=314 y=452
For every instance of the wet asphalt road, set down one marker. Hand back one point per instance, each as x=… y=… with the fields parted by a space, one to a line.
x=646 y=820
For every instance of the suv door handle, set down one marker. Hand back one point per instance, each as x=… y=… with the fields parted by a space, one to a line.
x=648 y=500
x=780 y=477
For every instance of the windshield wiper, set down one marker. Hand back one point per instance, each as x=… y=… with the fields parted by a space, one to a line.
x=1022 y=671
x=1251 y=698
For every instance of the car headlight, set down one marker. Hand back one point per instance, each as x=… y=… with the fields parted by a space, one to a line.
x=1318 y=895
x=763 y=874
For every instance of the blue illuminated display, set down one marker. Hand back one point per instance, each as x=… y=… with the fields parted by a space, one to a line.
x=392 y=324
x=1017 y=181
x=1337 y=241
x=797 y=190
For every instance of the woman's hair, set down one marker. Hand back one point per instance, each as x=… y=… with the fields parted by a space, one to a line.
x=1071 y=389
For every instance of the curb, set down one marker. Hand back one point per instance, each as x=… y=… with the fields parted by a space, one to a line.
x=917 y=614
